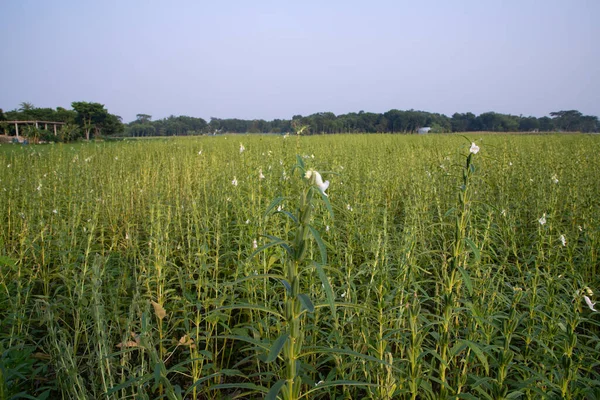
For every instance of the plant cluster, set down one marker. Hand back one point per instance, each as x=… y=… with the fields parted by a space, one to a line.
x=388 y=267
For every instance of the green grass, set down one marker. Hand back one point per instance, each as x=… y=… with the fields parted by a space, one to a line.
x=127 y=268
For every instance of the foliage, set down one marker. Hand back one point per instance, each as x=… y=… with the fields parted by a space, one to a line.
x=132 y=270
x=393 y=121
x=94 y=117
x=82 y=120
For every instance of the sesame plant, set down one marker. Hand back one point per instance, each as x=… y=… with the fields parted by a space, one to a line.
x=212 y=267
x=296 y=303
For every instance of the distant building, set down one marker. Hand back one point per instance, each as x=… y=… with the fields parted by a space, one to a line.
x=423 y=130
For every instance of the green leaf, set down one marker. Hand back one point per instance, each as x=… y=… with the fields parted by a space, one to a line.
x=276 y=347
x=275 y=389
x=326 y=200
x=290 y=215
x=246 y=306
x=273 y=204
x=466 y=279
x=9 y=262
x=137 y=380
x=327 y=287
x=320 y=243
x=279 y=242
x=251 y=277
x=325 y=385
x=479 y=353
x=287 y=285
x=306 y=302
x=300 y=162
x=474 y=249
x=238 y=385
x=157 y=374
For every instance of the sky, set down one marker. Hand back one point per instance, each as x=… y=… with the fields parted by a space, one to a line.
x=267 y=59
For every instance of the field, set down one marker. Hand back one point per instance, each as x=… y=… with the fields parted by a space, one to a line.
x=215 y=268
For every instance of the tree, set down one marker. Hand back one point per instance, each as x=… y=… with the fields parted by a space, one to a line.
x=568 y=121
x=90 y=116
x=26 y=106
x=589 y=123
x=143 y=118
x=110 y=125
x=546 y=124
x=529 y=124
x=463 y=122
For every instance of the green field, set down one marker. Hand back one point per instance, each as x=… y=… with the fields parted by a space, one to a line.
x=171 y=268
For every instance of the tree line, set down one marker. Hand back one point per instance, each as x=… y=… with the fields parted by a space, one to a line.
x=88 y=120
x=393 y=121
x=85 y=121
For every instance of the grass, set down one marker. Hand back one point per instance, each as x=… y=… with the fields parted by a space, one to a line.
x=129 y=270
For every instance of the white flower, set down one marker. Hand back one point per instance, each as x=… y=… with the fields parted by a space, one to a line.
x=554 y=178
x=510 y=164
x=348 y=207
x=55 y=211
x=247 y=221
x=8 y=166
x=279 y=208
x=260 y=174
x=242 y=148
x=589 y=303
x=234 y=182
x=254 y=244
x=542 y=220
x=200 y=152
x=563 y=240
x=126 y=236
x=116 y=158
x=503 y=213
x=319 y=182
x=474 y=148
x=326 y=228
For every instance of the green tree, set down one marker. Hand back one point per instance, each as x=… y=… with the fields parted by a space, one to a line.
x=143 y=118
x=529 y=124
x=26 y=106
x=90 y=116
x=546 y=124
x=568 y=121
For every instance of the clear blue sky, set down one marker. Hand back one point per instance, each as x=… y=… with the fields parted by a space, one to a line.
x=274 y=59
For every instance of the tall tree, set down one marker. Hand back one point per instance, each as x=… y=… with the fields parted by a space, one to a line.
x=143 y=118
x=568 y=121
x=26 y=106
x=90 y=116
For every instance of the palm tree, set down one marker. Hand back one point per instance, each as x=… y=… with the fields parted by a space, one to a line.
x=26 y=106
